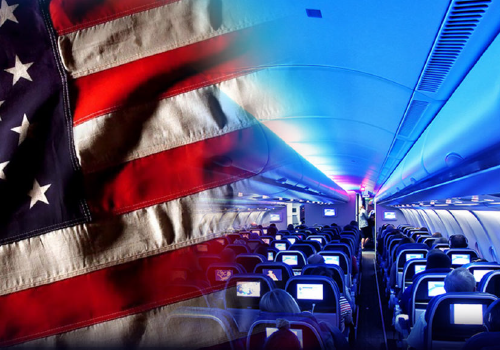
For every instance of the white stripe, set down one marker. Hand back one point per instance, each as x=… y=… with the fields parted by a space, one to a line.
x=157 y=30
x=208 y=112
x=84 y=248
x=154 y=127
x=145 y=329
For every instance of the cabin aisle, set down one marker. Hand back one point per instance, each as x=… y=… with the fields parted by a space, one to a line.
x=371 y=326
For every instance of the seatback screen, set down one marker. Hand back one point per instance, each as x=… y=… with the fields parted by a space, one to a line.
x=435 y=288
x=460 y=259
x=332 y=260
x=478 y=274
x=291 y=260
x=278 y=236
x=410 y=256
x=223 y=275
x=292 y=240
x=248 y=289
x=270 y=256
x=317 y=239
x=266 y=240
x=297 y=332
x=419 y=268
x=310 y=291
x=280 y=246
x=466 y=314
x=275 y=274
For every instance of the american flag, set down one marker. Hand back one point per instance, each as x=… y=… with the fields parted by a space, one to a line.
x=121 y=121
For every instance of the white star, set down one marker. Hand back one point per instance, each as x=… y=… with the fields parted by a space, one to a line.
x=37 y=194
x=20 y=70
x=1 y=103
x=7 y=13
x=2 y=166
x=22 y=130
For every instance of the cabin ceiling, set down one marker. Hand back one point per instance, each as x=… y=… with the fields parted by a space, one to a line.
x=348 y=80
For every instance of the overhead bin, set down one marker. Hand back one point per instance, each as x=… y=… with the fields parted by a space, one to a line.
x=467 y=127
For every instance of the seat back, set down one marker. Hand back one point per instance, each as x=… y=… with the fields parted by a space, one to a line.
x=206 y=260
x=316 y=245
x=307 y=249
x=293 y=239
x=479 y=269
x=254 y=243
x=452 y=318
x=332 y=257
x=244 y=291
x=250 y=260
x=318 y=294
x=411 y=268
x=490 y=283
x=461 y=256
x=267 y=239
x=426 y=286
x=219 y=273
x=307 y=331
x=238 y=248
x=233 y=237
x=281 y=244
x=338 y=274
x=279 y=272
x=294 y=258
x=403 y=257
x=321 y=239
x=342 y=247
x=220 y=330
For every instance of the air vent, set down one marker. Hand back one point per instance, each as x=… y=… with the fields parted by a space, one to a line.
x=417 y=108
x=314 y=13
x=398 y=146
x=461 y=22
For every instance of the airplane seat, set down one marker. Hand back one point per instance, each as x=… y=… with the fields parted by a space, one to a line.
x=461 y=256
x=338 y=274
x=238 y=249
x=254 y=243
x=342 y=247
x=341 y=260
x=490 y=283
x=430 y=241
x=316 y=245
x=219 y=273
x=422 y=238
x=411 y=268
x=231 y=237
x=245 y=235
x=220 y=330
x=280 y=244
x=441 y=246
x=206 y=260
x=483 y=341
x=321 y=239
x=250 y=260
x=426 y=286
x=305 y=328
x=294 y=258
x=293 y=239
x=257 y=231
x=193 y=294
x=481 y=268
x=318 y=294
x=403 y=257
x=279 y=272
x=453 y=318
x=242 y=295
x=267 y=239
x=307 y=249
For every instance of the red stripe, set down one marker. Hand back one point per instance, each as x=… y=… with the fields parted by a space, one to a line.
x=163 y=75
x=178 y=172
x=97 y=297
x=72 y=15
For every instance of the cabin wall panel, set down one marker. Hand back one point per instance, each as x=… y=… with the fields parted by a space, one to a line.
x=379 y=217
x=346 y=212
x=473 y=230
x=490 y=222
